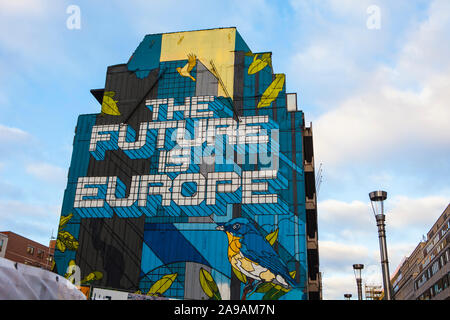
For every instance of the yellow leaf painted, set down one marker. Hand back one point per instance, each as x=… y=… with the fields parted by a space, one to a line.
x=96 y=275
x=267 y=57
x=68 y=240
x=272 y=91
x=272 y=237
x=64 y=220
x=208 y=284
x=162 y=285
x=60 y=246
x=264 y=287
x=109 y=105
x=292 y=274
x=259 y=63
x=240 y=275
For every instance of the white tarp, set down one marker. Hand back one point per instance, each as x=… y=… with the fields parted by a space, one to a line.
x=22 y=282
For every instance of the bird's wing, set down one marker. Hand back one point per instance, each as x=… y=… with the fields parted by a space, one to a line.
x=192 y=60
x=184 y=70
x=257 y=249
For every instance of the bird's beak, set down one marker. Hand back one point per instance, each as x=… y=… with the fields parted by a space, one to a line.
x=220 y=227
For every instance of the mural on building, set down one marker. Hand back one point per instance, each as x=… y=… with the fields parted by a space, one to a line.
x=189 y=183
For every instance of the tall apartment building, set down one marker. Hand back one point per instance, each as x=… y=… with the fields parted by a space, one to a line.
x=196 y=135
x=425 y=274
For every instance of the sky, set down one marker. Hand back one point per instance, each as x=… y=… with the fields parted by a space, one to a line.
x=372 y=77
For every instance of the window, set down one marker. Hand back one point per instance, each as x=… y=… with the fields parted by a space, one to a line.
x=1 y=244
x=426 y=295
x=438 y=287
x=445 y=282
x=30 y=250
x=435 y=267
x=40 y=254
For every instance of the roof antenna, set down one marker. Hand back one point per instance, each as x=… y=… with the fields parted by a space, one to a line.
x=319 y=179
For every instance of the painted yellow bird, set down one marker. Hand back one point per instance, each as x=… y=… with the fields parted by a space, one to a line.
x=185 y=71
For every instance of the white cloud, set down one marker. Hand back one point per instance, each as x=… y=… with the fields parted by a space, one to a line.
x=397 y=109
x=415 y=213
x=13 y=142
x=385 y=120
x=33 y=220
x=23 y=7
x=332 y=211
x=12 y=135
x=335 y=286
x=47 y=172
x=404 y=216
x=340 y=256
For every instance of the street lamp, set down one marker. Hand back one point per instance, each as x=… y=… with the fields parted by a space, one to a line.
x=357 y=269
x=347 y=296
x=376 y=199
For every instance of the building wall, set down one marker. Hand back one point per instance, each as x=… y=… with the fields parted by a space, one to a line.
x=3 y=244
x=404 y=287
x=24 y=250
x=434 y=276
x=142 y=241
x=425 y=274
x=314 y=276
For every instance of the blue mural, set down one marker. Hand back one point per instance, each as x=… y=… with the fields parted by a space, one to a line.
x=201 y=194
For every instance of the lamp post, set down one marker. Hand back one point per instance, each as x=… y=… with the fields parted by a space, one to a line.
x=376 y=199
x=347 y=296
x=357 y=269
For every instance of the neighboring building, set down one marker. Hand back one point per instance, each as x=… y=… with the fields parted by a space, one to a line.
x=403 y=279
x=23 y=250
x=195 y=130
x=373 y=292
x=425 y=274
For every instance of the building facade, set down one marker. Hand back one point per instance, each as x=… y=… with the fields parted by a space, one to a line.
x=425 y=274
x=23 y=250
x=196 y=179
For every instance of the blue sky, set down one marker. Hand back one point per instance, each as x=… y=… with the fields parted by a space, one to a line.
x=378 y=100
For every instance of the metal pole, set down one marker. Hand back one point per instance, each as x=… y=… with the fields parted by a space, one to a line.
x=384 y=257
x=358 y=283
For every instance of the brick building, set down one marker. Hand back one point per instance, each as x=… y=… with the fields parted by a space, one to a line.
x=23 y=250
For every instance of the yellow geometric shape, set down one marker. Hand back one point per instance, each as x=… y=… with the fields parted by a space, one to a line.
x=217 y=45
x=109 y=105
x=239 y=275
x=260 y=63
x=272 y=237
x=162 y=285
x=208 y=284
x=272 y=91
